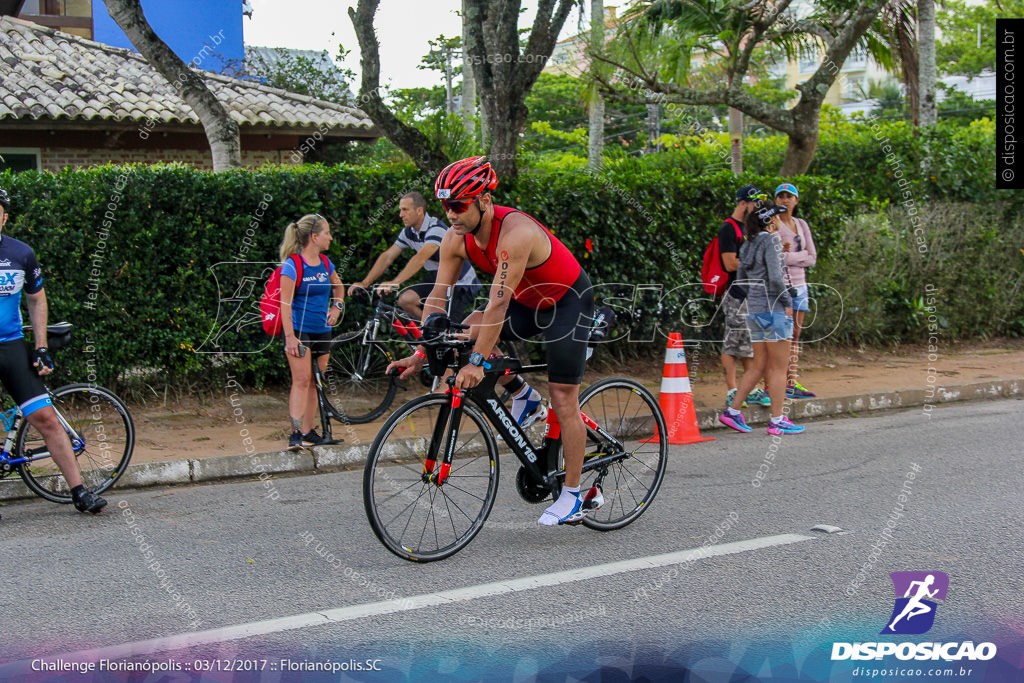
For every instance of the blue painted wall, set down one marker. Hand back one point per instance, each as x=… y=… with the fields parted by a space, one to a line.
x=204 y=32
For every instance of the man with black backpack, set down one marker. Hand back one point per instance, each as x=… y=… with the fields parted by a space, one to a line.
x=736 y=343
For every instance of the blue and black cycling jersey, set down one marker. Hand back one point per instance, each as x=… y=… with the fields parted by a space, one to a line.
x=312 y=296
x=19 y=271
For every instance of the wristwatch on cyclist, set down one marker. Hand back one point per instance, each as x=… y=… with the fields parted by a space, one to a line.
x=476 y=358
x=340 y=305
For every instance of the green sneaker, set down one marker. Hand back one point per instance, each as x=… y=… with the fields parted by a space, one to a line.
x=728 y=399
x=760 y=397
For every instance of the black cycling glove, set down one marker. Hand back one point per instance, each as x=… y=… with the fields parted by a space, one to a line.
x=42 y=359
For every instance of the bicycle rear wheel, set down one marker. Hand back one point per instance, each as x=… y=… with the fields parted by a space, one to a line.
x=102 y=438
x=414 y=518
x=355 y=382
x=630 y=413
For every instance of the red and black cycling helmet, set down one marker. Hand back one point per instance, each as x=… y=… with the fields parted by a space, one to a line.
x=465 y=180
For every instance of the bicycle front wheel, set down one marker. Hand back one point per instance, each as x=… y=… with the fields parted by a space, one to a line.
x=413 y=517
x=630 y=413
x=102 y=437
x=356 y=384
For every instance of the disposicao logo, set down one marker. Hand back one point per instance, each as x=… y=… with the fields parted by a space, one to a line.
x=914 y=614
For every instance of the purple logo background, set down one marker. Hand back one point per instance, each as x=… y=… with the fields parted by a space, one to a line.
x=914 y=611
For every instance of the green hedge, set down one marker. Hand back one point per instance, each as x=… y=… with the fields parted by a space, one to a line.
x=144 y=238
x=127 y=251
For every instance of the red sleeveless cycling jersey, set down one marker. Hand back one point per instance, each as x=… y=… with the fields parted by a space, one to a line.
x=541 y=286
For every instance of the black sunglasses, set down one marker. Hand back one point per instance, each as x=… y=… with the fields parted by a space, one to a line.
x=456 y=207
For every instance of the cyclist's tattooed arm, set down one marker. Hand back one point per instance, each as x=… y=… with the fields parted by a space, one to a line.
x=515 y=244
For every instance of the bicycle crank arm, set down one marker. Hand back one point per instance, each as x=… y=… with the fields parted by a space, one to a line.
x=591 y=464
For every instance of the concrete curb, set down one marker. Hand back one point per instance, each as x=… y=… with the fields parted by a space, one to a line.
x=333 y=458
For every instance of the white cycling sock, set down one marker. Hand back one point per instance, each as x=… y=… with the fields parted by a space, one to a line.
x=519 y=400
x=561 y=507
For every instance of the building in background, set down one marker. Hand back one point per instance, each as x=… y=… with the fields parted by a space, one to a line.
x=204 y=33
x=70 y=102
x=70 y=16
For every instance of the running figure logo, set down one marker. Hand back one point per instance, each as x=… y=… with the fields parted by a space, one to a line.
x=914 y=612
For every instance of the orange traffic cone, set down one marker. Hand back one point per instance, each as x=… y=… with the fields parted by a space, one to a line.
x=676 y=399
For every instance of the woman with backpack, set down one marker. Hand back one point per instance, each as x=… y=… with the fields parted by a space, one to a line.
x=800 y=254
x=769 y=317
x=311 y=303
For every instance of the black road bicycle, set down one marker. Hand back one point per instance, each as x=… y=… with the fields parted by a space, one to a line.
x=97 y=423
x=359 y=359
x=431 y=475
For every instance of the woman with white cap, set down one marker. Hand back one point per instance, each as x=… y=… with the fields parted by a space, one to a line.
x=799 y=254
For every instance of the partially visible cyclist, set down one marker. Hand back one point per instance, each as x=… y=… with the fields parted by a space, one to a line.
x=539 y=288
x=20 y=370
x=423 y=234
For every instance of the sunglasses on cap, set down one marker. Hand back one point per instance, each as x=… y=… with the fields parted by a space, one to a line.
x=456 y=207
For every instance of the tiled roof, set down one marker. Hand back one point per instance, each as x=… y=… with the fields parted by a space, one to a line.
x=50 y=75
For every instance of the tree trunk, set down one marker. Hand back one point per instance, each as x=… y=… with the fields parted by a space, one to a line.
x=468 y=83
x=428 y=157
x=803 y=142
x=736 y=139
x=221 y=130
x=595 y=146
x=928 y=112
x=504 y=71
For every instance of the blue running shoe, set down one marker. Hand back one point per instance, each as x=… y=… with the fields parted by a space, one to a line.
x=783 y=427
x=760 y=397
x=728 y=399
x=735 y=421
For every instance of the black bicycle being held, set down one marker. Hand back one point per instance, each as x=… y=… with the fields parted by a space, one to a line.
x=431 y=474
x=97 y=423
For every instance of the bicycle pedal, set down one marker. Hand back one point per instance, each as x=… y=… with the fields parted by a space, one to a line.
x=594 y=499
x=541 y=413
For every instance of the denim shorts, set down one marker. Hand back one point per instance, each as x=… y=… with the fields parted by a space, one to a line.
x=801 y=301
x=766 y=327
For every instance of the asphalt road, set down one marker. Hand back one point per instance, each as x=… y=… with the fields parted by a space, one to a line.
x=768 y=597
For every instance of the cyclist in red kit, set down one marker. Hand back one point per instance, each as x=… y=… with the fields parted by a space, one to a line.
x=539 y=288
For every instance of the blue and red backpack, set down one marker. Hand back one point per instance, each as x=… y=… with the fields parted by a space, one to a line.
x=270 y=302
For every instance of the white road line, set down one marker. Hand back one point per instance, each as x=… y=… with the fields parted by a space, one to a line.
x=486 y=590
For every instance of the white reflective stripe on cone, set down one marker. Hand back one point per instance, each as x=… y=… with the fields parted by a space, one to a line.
x=674 y=356
x=675 y=385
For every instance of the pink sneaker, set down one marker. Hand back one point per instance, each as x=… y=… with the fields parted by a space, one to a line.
x=783 y=427
x=735 y=421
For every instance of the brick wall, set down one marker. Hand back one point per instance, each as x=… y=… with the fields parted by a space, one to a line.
x=58 y=158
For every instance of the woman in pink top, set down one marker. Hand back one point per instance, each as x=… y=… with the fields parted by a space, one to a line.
x=799 y=254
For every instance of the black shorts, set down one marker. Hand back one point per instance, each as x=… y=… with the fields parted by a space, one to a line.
x=462 y=297
x=565 y=326
x=318 y=343
x=20 y=379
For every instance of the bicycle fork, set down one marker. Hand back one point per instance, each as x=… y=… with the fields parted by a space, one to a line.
x=446 y=436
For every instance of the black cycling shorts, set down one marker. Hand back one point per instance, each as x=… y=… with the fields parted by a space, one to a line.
x=565 y=326
x=20 y=379
x=318 y=343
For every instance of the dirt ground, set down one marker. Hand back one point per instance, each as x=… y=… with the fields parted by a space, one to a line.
x=194 y=429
